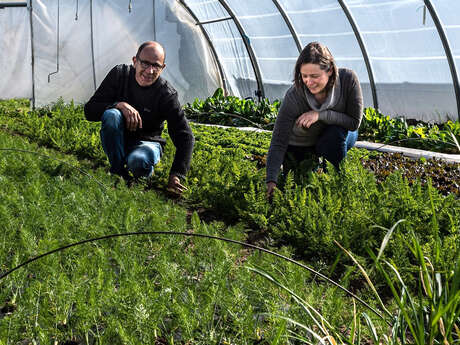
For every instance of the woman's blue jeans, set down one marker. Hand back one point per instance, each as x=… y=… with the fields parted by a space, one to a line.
x=333 y=145
x=139 y=157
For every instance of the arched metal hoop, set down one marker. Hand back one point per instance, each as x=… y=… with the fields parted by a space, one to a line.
x=362 y=45
x=247 y=44
x=448 y=51
x=288 y=22
x=211 y=44
x=187 y=234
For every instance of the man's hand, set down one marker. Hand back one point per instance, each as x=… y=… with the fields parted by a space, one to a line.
x=174 y=185
x=132 y=117
x=270 y=189
x=307 y=119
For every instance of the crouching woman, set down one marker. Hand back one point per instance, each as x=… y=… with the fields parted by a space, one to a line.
x=320 y=114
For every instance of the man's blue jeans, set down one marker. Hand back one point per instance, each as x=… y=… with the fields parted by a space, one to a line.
x=139 y=157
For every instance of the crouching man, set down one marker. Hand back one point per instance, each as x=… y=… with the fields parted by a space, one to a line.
x=132 y=104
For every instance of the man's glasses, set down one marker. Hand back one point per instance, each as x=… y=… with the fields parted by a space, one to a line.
x=145 y=64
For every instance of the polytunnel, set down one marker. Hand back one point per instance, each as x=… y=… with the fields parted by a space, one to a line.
x=406 y=53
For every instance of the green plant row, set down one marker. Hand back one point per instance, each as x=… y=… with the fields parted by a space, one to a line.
x=380 y=128
x=167 y=289
x=308 y=216
x=233 y=111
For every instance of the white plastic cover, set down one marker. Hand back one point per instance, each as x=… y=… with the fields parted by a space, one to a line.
x=63 y=46
x=16 y=56
x=409 y=64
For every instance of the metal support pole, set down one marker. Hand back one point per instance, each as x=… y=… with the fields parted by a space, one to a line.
x=13 y=4
x=32 y=53
x=449 y=56
x=294 y=34
x=255 y=65
x=211 y=45
x=92 y=42
x=154 y=22
x=359 y=38
x=214 y=21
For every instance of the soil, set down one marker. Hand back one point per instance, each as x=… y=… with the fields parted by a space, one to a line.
x=444 y=176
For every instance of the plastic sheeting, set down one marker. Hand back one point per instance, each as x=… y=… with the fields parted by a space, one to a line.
x=406 y=56
x=16 y=56
x=73 y=51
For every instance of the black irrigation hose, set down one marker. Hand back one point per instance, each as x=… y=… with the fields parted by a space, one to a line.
x=57 y=159
x=202 y=236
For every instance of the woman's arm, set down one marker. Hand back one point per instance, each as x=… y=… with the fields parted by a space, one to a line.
x=353 y=115
x=287 y=115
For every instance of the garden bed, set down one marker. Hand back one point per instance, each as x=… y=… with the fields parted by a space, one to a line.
x=52 y=204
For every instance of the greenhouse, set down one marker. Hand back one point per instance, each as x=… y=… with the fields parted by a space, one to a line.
x=406 y=53
x=274 y=199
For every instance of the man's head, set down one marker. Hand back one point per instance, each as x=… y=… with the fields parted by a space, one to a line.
x=149 y=62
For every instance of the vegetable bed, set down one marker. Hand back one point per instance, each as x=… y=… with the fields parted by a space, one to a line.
x=198 y=291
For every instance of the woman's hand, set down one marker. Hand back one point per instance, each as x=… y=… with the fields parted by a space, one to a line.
x=307 y=119
x=270 y=188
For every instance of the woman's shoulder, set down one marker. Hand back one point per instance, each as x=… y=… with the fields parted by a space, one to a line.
x=347 y=76
x=293 y=93
x=346 y=73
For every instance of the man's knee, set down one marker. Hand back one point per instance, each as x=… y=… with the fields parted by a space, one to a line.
x=139 y=165
x=112 y=118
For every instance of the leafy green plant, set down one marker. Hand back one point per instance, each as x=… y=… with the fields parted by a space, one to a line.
x=397 y=131
x=232 y=111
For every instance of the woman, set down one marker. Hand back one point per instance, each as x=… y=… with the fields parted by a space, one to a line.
x=320 y=113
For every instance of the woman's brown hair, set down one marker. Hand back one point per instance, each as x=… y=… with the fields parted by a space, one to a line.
x=318 y=54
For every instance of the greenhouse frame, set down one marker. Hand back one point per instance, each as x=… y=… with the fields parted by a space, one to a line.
x=406 y=53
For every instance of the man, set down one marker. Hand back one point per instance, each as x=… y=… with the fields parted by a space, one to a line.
x=132 y=103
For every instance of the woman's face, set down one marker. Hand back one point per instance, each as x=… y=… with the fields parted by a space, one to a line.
x=314 y=78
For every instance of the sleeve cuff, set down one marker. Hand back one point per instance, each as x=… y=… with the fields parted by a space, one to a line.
x=111 y=106
x=322 y=115
x=181 y=176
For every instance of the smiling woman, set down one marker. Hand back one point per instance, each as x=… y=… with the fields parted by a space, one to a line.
x=319 y=117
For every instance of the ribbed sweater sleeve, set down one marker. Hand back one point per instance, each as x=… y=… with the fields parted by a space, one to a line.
x=287 y=115
x=351 y=118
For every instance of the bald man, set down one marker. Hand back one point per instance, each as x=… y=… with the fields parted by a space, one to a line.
x=132 y=103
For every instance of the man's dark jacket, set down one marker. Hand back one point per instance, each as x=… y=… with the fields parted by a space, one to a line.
x=155 y=104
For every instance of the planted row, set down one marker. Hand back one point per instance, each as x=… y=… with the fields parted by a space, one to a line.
x=308 y=216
